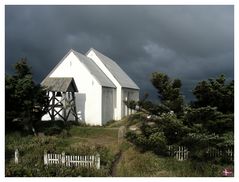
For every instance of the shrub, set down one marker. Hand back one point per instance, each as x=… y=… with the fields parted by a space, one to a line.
x=54 y=130
x=155 y=141
x=52 y=127
x=21 y=170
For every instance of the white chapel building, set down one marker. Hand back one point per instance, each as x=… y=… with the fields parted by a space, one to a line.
x=101 y=86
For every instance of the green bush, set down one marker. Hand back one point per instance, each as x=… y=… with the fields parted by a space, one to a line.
x=54 y=130
x=155 y=141
x=21 y=170
x=53 y=127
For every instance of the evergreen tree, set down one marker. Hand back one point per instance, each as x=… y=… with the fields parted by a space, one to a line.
x=215 y=93
x=168 y=92
x=208 y=124
x=25 y=100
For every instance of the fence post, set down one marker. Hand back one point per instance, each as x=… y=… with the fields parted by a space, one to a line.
x=97 y=158
x=63 y=158
x=16 y=156
x=45 y=158
x=121 y=134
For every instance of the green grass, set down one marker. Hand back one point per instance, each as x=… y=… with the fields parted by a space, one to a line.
x=126 y=121
x=93 y=132
x=104 y=140
x=78 y=140
x=117 y=124
x=137 y=164
x=94 y=136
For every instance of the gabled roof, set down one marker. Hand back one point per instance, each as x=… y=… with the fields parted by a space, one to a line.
x=95 y=71
x=123 y=79
x=60 y=84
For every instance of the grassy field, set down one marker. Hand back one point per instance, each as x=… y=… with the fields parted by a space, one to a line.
x=89 y=140
x=93 y=136
x=78 y=140
x=147 y=164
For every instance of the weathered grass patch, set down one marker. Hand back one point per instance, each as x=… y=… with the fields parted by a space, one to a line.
x=80 y=141
x=93 y=132
x=89 y=140
x=94 y=136
x=133 y=163
x=147 y=164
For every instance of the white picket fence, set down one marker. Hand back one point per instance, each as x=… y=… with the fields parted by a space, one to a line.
x=70 y=160
x=229 y=152
x=182 y=153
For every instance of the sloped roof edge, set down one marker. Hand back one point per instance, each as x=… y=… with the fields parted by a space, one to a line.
x=94 y=69
x=54 y=68
x=105 y=80
x=119 y=74
x=60 y=84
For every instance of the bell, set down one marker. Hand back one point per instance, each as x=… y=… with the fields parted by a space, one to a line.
x=58 y=94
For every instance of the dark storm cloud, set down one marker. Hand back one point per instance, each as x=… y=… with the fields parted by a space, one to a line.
x=188 y=42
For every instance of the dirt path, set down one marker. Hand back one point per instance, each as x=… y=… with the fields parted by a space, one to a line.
x=115 y=163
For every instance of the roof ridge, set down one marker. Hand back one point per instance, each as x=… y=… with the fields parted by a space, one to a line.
x=89 y=50
x=116 y=71
x=92 y=62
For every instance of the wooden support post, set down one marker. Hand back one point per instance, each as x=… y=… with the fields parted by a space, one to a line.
x=53 y=107
x=63 y=158
x=64 y=105
x=97 y=159
x=45 y=158
x=16 y=156
x=74 y=106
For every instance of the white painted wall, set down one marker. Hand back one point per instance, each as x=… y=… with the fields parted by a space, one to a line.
x=127 y=95
x=88 y=98
x=117 y=112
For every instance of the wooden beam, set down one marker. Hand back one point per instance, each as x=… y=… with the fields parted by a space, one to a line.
x=53 y=103
x=66 y=105
x=74 y=106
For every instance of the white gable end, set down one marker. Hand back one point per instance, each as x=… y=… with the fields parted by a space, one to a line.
x=118 y=77
x=91 y=54
x=88 y=102
x=72 y=67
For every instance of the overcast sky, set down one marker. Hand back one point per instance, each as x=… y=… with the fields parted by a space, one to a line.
x=191 y=43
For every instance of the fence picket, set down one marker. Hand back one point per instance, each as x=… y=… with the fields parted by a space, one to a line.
x=69 y=160
x=16 y=156
x=181 y=153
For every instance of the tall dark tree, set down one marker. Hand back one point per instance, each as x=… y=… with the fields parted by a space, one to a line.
x=168 y=92
x=215 y=93
x=25 y=100
x=211 y=119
